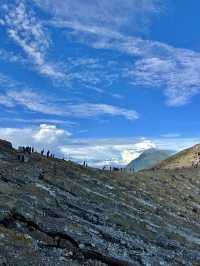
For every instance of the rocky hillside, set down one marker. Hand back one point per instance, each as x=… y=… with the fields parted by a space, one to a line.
x=148 y=159
x=187 y=158
x=54 y=212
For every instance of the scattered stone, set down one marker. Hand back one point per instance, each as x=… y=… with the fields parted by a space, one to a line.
x=78 y=216
x=81 y=246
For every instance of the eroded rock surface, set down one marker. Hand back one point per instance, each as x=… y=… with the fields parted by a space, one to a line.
x=54 y=212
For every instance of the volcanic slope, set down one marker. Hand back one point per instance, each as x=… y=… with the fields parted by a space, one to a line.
x=54 y=212
x=186 y=158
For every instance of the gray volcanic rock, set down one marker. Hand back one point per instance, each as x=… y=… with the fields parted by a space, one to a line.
x=54 y=212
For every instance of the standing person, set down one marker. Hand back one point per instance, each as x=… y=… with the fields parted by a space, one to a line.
x=42 y=152
x=48 y=153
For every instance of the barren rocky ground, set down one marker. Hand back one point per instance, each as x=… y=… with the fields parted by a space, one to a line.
x=54 y=212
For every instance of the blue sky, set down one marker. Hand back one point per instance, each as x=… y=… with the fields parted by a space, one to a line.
x=100 y=81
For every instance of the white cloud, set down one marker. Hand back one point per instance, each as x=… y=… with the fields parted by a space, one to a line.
x=113 y=14
x=25 y=30
x=101 y=24
x=36 y=102
x=158 y=65
x=46 y=135
x=176 y=143
x=58 y=141
x=171 y=135
x=11 y=57
x=30 y=100
x=106 y=25
x=49 y=134
x=101 y=152
x=155 y=64
x=5 y=101
x=92 y=110
x=133 y=152
x=97 y=152
x=16 y=135
x=177 y=72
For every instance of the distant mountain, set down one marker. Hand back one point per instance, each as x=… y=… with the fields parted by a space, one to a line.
x=149 y=158
x=186 y=158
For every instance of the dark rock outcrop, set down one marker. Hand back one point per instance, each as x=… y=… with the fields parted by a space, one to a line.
x=5 y=145
x=54 y=212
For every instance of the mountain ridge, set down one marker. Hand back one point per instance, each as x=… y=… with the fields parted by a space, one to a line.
x=148 y=159
x=56 y=212
x=187 y=158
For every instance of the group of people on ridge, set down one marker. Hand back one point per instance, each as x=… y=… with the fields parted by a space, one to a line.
x=24 y=150
x=49 y=154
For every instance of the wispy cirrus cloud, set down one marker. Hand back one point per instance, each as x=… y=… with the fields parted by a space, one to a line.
x=26 y=30
x=11 y=57
x=114 y=14
x=37 y=121
x=105 y=25
x=177 y=72
x=37 y=102
x=154 y=64
x=157 y=65
x=30 y=100
x=96 y=109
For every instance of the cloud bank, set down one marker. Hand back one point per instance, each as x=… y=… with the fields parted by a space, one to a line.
x=97 y=152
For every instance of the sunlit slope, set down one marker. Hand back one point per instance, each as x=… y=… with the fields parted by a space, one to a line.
x=186 y=158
